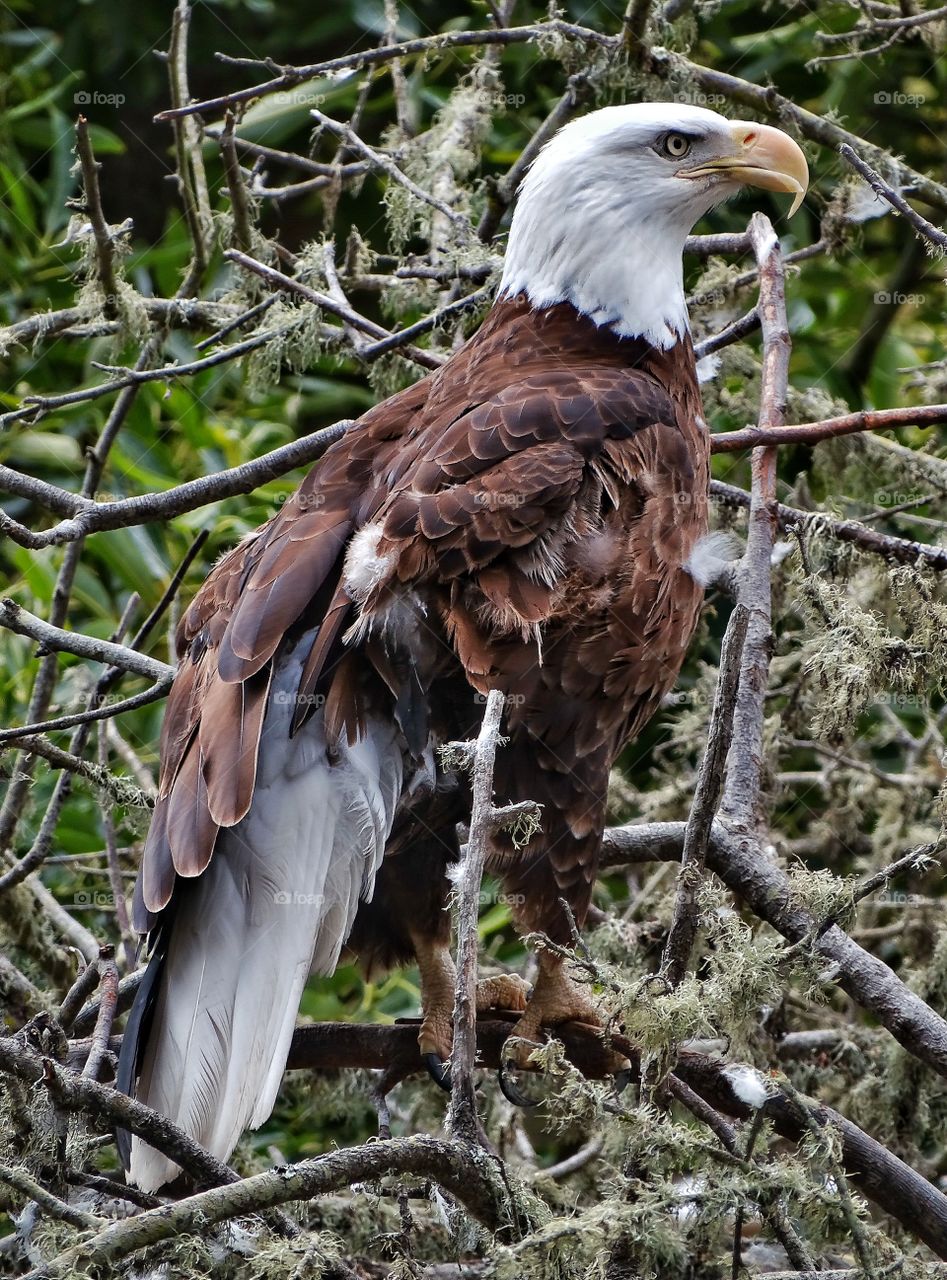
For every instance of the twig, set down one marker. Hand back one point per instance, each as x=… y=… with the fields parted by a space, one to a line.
x=239 y=204
x=108 y=1005
x=85 y=983
x=386 y=165
x=897 y=550
x=774 y=1214
x=634 y=25
x=34 y=406
x=683 y=930
x=926 y=415
x=451 y=309
x=502 y=193
x=104 y=249
x=20 y=1181
x=121 y=791
x=725 y=337
x=425 y=358
x=926 y=230
x=192 y=178
x=855 y=1225
x=105 y=712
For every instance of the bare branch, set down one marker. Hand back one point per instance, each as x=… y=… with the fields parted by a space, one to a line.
x=195 y=493
x=290 y=76
x=897 y=550
x=463 y=1109
x=104 y=249
x=745 y=763
x=925 y=415
x=25 y=623
x=926 y=230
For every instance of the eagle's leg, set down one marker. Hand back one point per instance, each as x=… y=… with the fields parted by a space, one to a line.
x=557 y=998
x=437 y=972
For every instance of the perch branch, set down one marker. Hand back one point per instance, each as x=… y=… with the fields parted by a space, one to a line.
x=463 y=1107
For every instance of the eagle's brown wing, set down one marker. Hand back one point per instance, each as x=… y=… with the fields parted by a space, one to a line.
x=226 y=641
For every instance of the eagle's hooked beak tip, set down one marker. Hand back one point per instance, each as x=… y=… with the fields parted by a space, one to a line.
x=763 y=157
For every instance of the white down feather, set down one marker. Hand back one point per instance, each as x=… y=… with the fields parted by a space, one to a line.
x=277 y=901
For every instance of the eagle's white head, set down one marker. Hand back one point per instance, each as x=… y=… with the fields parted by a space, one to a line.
x=605 y=209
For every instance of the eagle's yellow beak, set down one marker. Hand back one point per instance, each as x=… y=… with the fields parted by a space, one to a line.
x=762 y=157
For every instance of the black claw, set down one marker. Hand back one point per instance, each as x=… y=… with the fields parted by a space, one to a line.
x=438 y=1070
x=623 y=1079
x=512 y=1092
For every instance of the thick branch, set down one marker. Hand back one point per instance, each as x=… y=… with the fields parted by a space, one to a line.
x=446 y=1163
x=881 y=1176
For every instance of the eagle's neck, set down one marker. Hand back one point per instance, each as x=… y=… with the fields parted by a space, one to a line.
x=619 y=268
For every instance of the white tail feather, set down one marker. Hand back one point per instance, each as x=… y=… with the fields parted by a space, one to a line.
x=278 y=898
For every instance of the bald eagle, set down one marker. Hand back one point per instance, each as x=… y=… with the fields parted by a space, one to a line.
x=523 y=519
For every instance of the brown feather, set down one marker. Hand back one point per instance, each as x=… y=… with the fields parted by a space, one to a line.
x=191 y=831
x=229 y=737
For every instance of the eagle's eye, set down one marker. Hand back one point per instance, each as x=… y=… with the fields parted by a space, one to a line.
x=674 y=145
